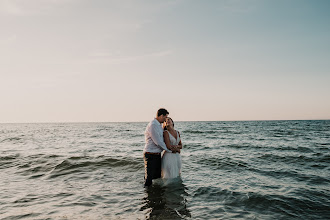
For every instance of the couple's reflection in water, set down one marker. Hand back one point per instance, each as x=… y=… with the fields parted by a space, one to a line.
x=166 y=199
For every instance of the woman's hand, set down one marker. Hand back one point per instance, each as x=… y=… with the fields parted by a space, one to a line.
x=176 y=148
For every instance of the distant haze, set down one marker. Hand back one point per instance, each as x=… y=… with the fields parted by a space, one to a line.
x=104 y=61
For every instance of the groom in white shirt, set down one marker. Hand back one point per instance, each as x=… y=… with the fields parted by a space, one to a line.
x=154 y=146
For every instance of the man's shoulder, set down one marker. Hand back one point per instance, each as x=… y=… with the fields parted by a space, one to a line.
x=151 y=124
x=154 y=122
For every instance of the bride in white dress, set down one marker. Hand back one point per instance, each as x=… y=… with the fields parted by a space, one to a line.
x=171 y=162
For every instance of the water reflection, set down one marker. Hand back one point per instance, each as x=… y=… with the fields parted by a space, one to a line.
x=166 y=200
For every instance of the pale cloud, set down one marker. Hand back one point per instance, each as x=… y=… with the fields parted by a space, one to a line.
x=30 y=7
x=8 y=40
x=107 y=57
x=9 y=7
x=126 y=26
x=237 y=6
x=18 y=8
x=42 y=7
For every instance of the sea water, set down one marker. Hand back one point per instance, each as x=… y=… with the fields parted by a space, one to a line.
x=230 y=170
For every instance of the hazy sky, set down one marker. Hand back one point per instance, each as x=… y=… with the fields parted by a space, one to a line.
x=101 y=60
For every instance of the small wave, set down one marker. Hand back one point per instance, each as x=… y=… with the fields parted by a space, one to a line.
x=193 y=146
x=297 y=149
x=322 y=144
x=11 y=139
x=216 y=163
x=9 y=157
x=325 y=158
x=38 y=165
x=8 y=161
x=282 y=173
x=200 y=132
x=301 y=159
x=31 y=215
x=242 y=146
x=294 y=206
x=89 y=164
x=283 y=133
x=100 y=129
x=193 y=132
x=213 y=133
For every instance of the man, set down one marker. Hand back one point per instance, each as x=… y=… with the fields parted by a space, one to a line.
x=154 y=146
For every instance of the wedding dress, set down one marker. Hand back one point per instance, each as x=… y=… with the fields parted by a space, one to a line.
x=171 y=162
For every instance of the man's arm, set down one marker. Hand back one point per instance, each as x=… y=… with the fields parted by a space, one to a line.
x=180 y=143
x=157 y=138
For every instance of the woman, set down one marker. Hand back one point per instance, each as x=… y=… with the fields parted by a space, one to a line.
x=171 y=162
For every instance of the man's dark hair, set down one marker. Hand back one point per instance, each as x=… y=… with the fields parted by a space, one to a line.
x=162 y=111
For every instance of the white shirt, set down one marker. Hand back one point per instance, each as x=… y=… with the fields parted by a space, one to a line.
x=154 y=138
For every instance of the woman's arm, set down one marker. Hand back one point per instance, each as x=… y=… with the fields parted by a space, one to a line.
x=168 y=143
x=177 y=147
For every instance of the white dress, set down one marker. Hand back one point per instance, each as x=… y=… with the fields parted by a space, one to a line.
x=171 y=162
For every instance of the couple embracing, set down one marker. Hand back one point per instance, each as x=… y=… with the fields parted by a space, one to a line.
x=161 y=138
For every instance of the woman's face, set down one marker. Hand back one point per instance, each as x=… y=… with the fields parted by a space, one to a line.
x=169 y=122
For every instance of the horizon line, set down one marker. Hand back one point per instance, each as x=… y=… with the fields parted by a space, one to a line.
x=82 y=122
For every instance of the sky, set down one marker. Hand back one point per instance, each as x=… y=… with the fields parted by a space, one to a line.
x=113 y=61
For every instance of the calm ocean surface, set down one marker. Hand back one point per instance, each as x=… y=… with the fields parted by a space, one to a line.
x=231 y=170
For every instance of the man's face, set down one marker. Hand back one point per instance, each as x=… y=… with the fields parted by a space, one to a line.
x=163 y=118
